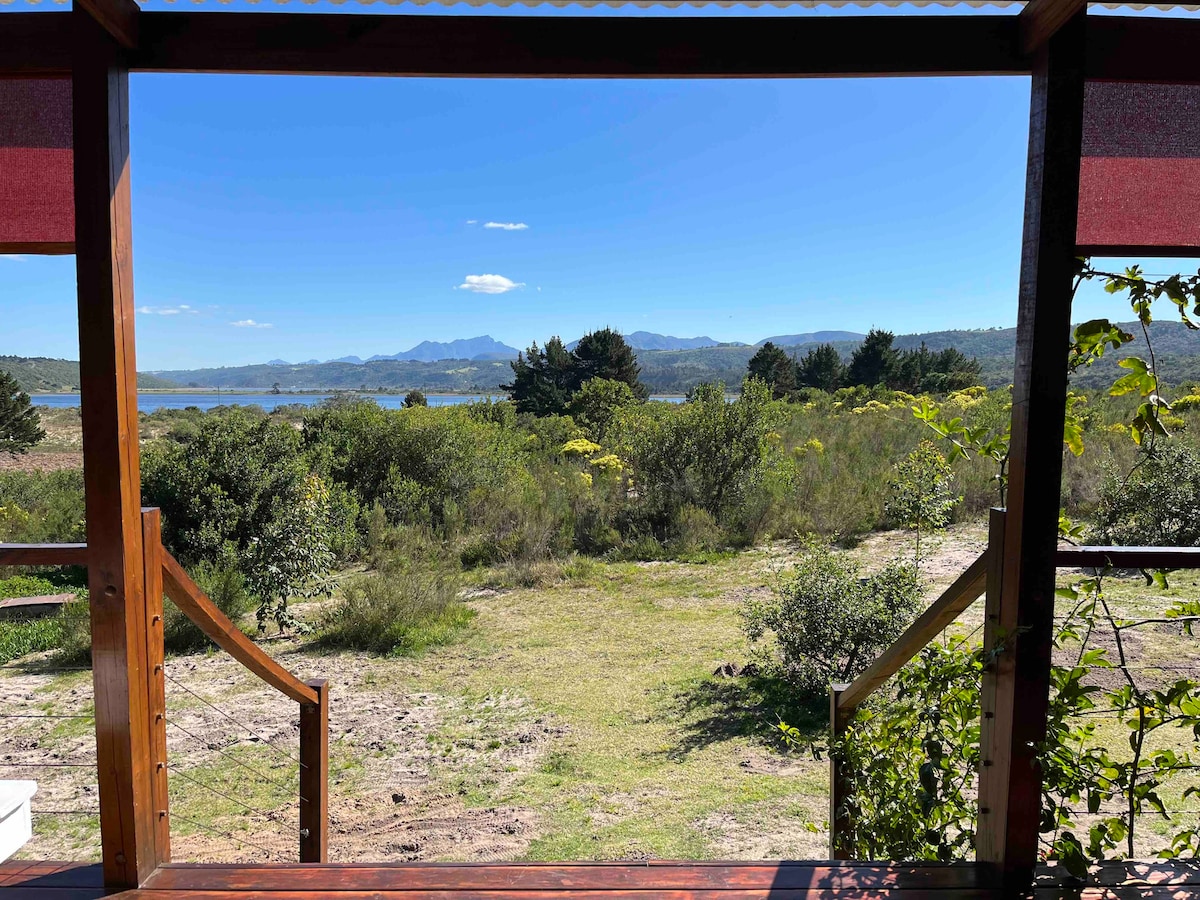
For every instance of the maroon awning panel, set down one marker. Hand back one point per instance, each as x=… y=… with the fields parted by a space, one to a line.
x=1139 y=180
x=37 y=202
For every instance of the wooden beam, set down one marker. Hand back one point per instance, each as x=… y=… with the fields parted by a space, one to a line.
x=314 y=775
x=194 y=604
x=1008 y=833
x=1120 y=48
x=1130 y=557
x=112 y=488
x=1040 y=20
x=157 y=682
x=43 y=554
x=964 y=591
x=570 y=47
x=118 y=17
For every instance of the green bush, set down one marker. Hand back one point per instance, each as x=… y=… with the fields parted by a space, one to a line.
x=1157 y=504
x=240 y=490
x=41 y=507
x=399 y=611
x=225 y=587
x=707 y=452
x=20 y=638
x=829 y=623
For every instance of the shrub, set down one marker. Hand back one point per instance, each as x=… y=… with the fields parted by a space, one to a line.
x=21 y=637
x=693 y=530
x=42 y=507
x=226 y=587
x=1157 y=504
x=708 y=452
x=596 y=404
x=829 y=623
x=240 y=490
x=399 y=611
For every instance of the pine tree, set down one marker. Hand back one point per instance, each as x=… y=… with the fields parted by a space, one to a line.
x=874 y=360
x=604 y=354
x=772 y=366
x=821 y=368
x=20 y=427
x=542 y=379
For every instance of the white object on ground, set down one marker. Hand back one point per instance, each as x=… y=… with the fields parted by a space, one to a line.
x=16 y=823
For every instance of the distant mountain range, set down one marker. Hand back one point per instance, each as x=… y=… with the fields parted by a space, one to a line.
x=665 y=371
x=485 y=347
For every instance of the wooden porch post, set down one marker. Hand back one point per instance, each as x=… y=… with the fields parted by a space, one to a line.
x=108 y=382
x=1010 y=782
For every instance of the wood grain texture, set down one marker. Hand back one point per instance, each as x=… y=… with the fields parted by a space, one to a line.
x=1048 y=267
x=112 y=483
x=1040 y=20
x=314 y=776
x=118 y=17
x=193 y=603
x=43 y=554
x=965 y=590
x=616 y=876
x=157 y=682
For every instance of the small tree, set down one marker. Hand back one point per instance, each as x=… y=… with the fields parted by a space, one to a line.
x=20 y=427
x=828 y=622
x=596 y=404
x=605 y=354
x=774 y=368
x=542 y=379
x=921 y=492
x=821 y=368
x=415 y=398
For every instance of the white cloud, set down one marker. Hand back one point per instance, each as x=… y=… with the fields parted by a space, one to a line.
x=178 y=309
x=472 y=221
x=489 y=284
x=15 y=257
x=506 y=226
x=250 y=323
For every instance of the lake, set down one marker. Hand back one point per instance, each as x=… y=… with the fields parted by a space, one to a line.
x=149 y=401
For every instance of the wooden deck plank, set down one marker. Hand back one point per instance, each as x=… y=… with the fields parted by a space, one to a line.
x=50 y=874
x=632 y=894
x=434 y=877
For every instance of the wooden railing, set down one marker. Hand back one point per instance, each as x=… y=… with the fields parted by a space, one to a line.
x=982 y=578
x=165 y=576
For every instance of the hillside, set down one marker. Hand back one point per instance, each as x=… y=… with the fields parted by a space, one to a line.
x=39 y=373
x=664 y=371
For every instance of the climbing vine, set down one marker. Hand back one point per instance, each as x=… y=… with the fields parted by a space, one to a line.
x=912 y=756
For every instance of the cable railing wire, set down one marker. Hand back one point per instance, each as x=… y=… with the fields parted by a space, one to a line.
x=230 y=757
x=226 y=715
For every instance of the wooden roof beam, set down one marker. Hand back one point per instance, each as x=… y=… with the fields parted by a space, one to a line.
x=118 y=17
x=1041 y=19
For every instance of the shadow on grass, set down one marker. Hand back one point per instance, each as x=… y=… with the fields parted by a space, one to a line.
x=716 y=709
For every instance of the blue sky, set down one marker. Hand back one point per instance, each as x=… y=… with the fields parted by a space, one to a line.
x=321 y=217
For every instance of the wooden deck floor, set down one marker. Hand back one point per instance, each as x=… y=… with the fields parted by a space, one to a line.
x=586 y=881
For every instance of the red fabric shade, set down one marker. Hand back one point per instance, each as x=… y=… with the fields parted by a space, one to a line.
x=37 y=203
x=1139 y=180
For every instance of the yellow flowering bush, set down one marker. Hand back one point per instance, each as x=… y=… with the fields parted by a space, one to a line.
x=579 y=447
x=609 y=463
x=870 y=406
